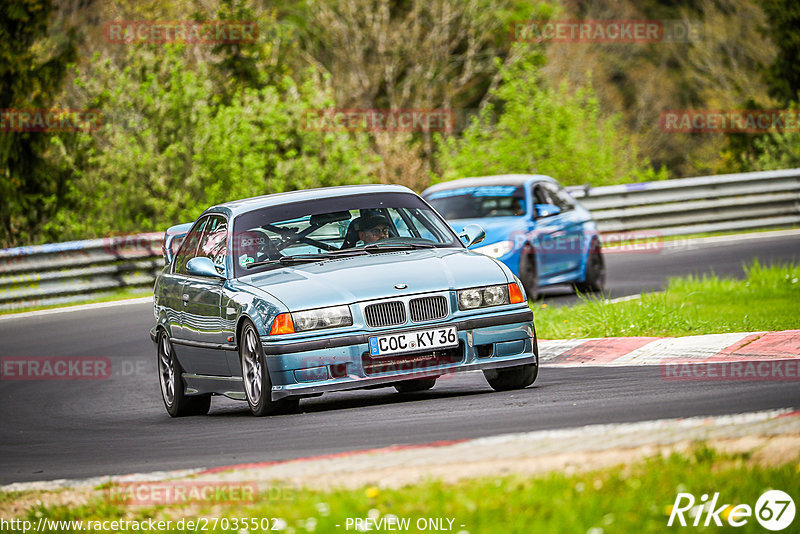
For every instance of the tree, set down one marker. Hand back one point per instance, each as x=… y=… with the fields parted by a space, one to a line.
x=541 y=130
x=783 y=74
x=171 y=146
x=33 y=63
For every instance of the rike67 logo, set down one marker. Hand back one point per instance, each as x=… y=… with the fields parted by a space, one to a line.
x=774 y=510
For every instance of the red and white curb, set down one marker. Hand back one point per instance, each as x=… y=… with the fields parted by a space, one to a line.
x=737 y=347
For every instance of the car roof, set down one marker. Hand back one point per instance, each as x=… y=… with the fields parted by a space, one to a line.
x=500 y=179
x=236 y=207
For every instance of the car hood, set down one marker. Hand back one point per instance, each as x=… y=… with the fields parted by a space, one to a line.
x=359 y=278
x=496 y=228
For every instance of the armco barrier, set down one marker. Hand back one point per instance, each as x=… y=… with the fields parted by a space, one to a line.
x=77 y=270
x=727 y=202
x=64 y=272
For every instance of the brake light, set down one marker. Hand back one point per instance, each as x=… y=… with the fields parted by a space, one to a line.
x=282 y=325
x=514 y=293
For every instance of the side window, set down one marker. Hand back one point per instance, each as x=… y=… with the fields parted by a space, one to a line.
x=214 y=241
x=541 y=195
x=188 y=249
x=559 y=197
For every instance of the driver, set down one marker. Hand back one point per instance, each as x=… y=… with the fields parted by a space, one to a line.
x=373 y=228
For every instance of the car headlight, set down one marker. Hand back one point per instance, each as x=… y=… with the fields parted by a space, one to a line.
x=322 y=318
x=496 y=250
x=481 y=297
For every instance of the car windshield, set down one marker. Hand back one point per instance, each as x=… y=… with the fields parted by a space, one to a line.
x=328 y=228
x=479 y=202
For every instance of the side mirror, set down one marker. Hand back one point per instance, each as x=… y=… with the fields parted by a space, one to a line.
x=173 y=238
x=546 y=210
x=472 y=234
x=204 y=267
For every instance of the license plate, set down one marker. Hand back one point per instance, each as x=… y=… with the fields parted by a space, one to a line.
x=437 y=338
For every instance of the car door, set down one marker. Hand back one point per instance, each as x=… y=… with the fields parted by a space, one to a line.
x=569 y=240
x=171 y=296
x=549 y=233
x=204 y=327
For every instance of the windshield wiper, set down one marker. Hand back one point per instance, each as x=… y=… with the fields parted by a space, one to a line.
x=308 y=258
x=395 y=247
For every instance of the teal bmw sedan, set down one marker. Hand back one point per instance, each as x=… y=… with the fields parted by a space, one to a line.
x=272 y=299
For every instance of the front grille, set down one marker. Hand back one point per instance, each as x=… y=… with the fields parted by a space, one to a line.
x=385 y=314
x=428 y=309
x=411 y=363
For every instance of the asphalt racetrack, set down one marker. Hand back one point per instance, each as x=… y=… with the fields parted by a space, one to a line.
x=74 y=429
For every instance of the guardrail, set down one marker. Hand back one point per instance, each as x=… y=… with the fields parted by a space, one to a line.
x=77 y=270
x=73 y=271
x=729 y=202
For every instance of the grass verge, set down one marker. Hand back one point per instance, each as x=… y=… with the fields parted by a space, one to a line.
x=120 y=294
x=633 y=498
x=652 y=236
x=767 y=299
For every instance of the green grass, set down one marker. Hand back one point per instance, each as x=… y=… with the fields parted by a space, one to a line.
x=120 y=294
x=768 y=299
x=684 y=237
x=634 y=498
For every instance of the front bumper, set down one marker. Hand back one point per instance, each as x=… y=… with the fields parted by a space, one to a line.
x=315 y=366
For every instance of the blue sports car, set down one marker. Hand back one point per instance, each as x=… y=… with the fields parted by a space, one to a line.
x=285 y=296
x=532 y=225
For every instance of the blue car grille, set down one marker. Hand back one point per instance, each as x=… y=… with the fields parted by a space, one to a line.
x=428 y=309
x=385 y=314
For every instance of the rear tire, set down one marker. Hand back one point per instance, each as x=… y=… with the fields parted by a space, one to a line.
x=255 y=377
x=173 y=389
x=595 y=271
x=518 y=377
x=413 y=386
x=528 y=273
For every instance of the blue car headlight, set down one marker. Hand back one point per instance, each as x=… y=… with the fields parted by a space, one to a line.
x=496 y=250
x=319 y=318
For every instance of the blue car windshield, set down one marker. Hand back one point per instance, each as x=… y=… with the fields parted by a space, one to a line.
x=478 y=202
x=333 y=227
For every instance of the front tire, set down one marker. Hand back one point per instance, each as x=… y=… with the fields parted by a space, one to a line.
x=255 y=377
x=528 y=273
x=595 y=271
x=518 y=377
x=173 y=389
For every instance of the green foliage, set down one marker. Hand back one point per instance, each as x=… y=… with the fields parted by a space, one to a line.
x=543 y=130
x=765 y=300
x=33 y=63
x=635 y=497
x=169 y=147
x=783 y=74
